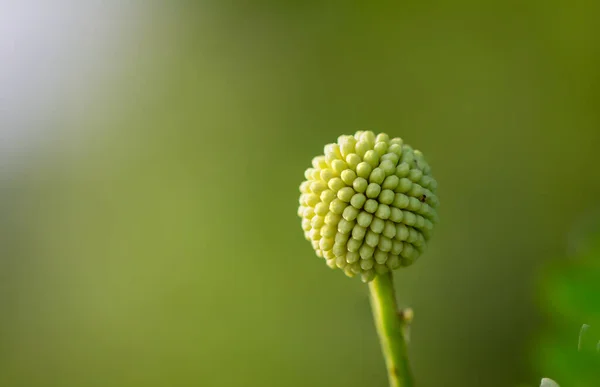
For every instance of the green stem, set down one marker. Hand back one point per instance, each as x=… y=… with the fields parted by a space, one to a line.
x=390 y=328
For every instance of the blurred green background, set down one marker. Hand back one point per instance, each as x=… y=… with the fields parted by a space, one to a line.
x=151 y=237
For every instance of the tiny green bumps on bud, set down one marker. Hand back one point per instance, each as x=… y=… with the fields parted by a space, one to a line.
x=345 y=226
x=389 y=230
x=403 y=186
x=306 y=224
x=368 y=137
x=381 y=148
x=393 y=262
x=315 y=235
x=332 y=219
x=331 y=263
x=397 y=247
x=372 y=238
x=368 y=204
x=426 y=181
x=361 y=148
x=337 y=206
x=327 y=174
x=428 y=225
x=360 y=184
x=410 y=219
x=372 y=157
x=367 y=276
x=317 y=222
x=366 y=251
x=383 y=211
x=420 y=224
x=309 y=212
x=396 y=149
x=391 y=157
x=346 y=144
x=327 y=196
x=401 y=201
x=338 y=166
x=381 y=268
x=390 y=182
x=350 y=213
x=326 y=243
x=348 y=176
x=348 y=271
x=380 y=256
x=402 y=170
x=336 y=184
x=371 y=206
x=386 y=196
x=345 y=194
x=397 y=140
x=385 y=244
x=353 y=160
x=319 y=162
x=413 y=236
x=341 y=238
x=433 y=185
x=363 y=170
x=377 y=176
x=352 y=256
x=332 y=151
x=358 y=232
x=318 y=186
x=401 y=232
x=388 y=167
x=408 y=251
x=315 y=174
x=366 y=264
x=373 y=190
x=321 y=209
x=414 y=204
x=408 y=155
x=312 y=200
x=328 y=231
x=416 y=191
x=415 y=175
x=358 y=200
x=353 y=245
x=339 y=249
x=396 y=215
x=308 y=173
x=364 y=219
x=382 y=138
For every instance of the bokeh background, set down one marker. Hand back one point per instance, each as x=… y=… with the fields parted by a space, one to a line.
x=151 y=154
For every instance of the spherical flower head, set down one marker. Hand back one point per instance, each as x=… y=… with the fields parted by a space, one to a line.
x=368 y=205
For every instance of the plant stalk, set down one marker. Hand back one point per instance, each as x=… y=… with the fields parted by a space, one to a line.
x=391 y=330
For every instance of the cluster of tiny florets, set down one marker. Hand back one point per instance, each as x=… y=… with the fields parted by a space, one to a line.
x=369 y=204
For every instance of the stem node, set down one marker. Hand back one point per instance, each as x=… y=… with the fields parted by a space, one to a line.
x=391 y=328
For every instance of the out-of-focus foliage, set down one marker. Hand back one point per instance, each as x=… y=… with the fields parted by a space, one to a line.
x=571 y=295
x=547 y=382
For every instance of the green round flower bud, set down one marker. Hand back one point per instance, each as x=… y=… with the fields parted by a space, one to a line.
x=368 y=205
